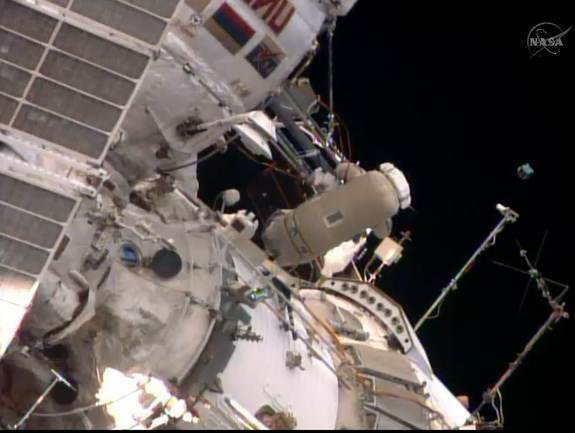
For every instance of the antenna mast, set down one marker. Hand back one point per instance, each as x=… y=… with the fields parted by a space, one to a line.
x=534 y=274
x=539 y=280
x=509 y=215
x=557 y=314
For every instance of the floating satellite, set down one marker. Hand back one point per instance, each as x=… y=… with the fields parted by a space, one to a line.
x=525 y=172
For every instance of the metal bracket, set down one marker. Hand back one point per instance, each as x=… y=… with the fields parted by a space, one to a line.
x=30 y=170
x=389 y=312
x=57 y=379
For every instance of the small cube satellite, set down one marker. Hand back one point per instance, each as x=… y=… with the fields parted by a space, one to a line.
x=525 y=172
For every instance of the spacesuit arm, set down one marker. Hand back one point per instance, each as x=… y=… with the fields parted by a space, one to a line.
x=383 y=229
x=347 y=171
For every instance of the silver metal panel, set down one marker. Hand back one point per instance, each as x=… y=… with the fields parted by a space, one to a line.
x=13 y=81
x=385 y=422
x=75 y=78
x=391 y=364
x=403 y=408
x=396 y=384
x=122 y=17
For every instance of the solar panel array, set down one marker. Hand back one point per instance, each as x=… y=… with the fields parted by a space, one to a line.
x=69 y=70
x=63 y=79
x=32 y=220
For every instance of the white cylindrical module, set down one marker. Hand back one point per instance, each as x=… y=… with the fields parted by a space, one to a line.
x=246 y=47
x=315 y=227
x=219 y=58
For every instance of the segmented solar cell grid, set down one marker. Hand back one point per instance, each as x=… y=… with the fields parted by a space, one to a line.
x=63 y=82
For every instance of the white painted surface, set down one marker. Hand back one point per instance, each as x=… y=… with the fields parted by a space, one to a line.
x=225 y=68
x=377 y=333
x=257 y=370
x=442 y=400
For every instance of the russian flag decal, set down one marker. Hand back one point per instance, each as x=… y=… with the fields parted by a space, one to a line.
x=230 y=29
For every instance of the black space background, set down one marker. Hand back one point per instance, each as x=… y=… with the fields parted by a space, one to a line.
x=448 y=94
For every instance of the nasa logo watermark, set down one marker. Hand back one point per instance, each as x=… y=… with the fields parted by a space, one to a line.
x=546 y=37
